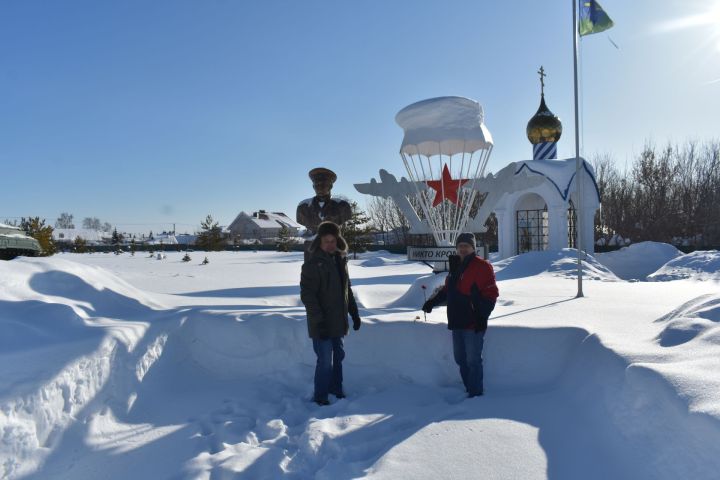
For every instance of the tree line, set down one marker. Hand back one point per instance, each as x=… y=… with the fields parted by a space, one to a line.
x=669 y=194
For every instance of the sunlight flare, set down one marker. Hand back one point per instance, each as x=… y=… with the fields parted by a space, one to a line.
x=708 y=22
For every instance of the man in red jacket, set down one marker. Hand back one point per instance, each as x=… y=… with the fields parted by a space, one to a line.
x=470 y=293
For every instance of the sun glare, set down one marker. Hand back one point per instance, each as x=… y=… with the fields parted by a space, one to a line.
x=713 y=20
x=708 y=21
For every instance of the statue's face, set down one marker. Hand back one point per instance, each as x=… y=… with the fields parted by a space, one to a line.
x=322 y=185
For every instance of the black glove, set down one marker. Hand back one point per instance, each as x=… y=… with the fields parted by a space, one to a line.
x=427 y=307
x=356 y=323
x=483 y=307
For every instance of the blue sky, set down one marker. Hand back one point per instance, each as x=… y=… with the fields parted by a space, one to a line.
x=146 y=114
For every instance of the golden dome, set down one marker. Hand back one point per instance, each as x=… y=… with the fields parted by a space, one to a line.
x=544 y=126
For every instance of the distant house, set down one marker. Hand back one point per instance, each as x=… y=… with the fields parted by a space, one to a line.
x=262 y=225
x=186 y=239
x=92 y=237
x=170 y=238
x=162 y=239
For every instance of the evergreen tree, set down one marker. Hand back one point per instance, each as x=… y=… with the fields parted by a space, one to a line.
x=115 y=237
x=37 y=229
x=211 y=237
x=284 y=241
x=116 y=240
x=80 y=245
x=186 y=258
x=357 y=230
x=133 y=246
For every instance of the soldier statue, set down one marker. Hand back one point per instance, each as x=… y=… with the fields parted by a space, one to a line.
x=322 y=207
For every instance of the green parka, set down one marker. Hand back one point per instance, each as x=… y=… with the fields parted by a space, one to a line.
x=327 y=300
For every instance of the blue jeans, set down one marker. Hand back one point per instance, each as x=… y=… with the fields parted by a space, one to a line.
x=328 y=370
x=467 y=348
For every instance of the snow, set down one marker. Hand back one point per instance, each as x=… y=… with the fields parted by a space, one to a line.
x=561 y=263
x=10 y=231
x=264 y=219
x=338 y=198
x=19 y=236
x=90 y=235
x=161 y=239
x=638 y=260
x=443 y=126
x=120 y=366
x=560 y=173
x=699 y=265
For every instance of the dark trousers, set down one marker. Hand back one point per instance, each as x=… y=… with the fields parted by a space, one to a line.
x=467 y=349
x=328 y=370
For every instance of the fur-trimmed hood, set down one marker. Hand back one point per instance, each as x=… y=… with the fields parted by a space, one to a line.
x=329 y=228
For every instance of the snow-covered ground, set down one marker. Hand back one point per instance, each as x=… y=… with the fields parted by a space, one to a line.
x=119 y=367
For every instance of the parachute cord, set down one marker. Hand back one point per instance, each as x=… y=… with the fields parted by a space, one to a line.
x=423 y=199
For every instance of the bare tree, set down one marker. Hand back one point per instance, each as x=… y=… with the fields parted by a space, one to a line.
x=389 y=220
x=65 y=220
x=668 y=195
x=92 y=223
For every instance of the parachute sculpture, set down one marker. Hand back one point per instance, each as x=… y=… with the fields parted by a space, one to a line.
x=445 y=150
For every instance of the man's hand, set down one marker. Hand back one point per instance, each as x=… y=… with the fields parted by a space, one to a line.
x=356 y=323
x=427 y=307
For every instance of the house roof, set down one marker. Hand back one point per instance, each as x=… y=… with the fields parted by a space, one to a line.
x=164 y=239
x=560 y=173
x=70 y=234
x=265 y=219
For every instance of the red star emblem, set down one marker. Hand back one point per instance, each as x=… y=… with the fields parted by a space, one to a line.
x=446 y=185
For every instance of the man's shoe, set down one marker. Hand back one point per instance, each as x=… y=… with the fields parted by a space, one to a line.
x=339 y=394
x=321 y=401
x=473 y=395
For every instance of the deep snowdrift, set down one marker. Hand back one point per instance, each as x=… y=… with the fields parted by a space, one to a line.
x=638 y=260
x=698 y=265
x=104 y=379
x=560 y=263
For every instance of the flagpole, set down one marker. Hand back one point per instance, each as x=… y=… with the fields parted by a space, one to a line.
x=578 y=170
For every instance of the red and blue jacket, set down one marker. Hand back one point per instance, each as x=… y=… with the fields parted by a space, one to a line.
x=470 y=294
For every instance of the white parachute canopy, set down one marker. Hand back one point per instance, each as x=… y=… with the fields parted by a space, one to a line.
x=443 y=126
x=445 y=149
